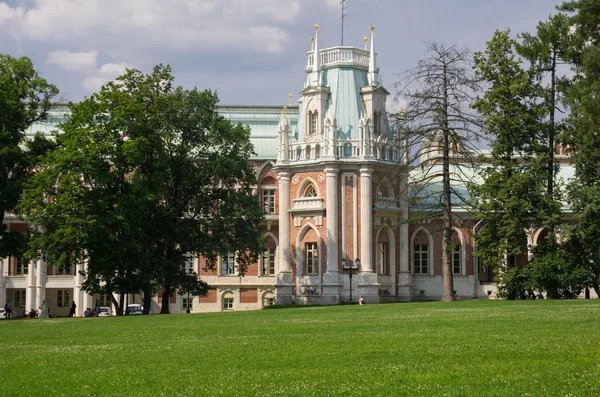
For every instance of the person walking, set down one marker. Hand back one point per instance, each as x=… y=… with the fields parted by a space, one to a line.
x=73 y=308
x=7 y=309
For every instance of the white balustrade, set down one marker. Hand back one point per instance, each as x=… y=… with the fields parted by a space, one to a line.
x=341 y=55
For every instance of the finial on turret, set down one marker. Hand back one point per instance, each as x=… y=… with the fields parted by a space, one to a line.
x=366 y=39
x=316 y=69
x=373 y=73
x=284 y=110
x=290 y=101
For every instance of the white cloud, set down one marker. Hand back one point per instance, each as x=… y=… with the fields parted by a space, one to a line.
x=80 y=61
x=155 y=23
x=104 y=74
x=113 y=68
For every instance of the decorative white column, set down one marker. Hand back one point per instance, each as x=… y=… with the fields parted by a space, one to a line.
x=40 y=283
x=30 y=294
x=2 y=285
x=87 y=298
x=332 y=283
x=366 y=220
x=405 y=292
x=332 y=219
x=77 y=297
x=284 y=275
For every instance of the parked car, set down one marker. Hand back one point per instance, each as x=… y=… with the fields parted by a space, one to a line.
x=3 y=314
x=135 y=309
x=105 y=312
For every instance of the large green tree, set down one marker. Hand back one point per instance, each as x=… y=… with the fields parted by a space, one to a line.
x=584 y=124
x=544 y=52
x=25 y=98
x=146 y=173
x=512 y=195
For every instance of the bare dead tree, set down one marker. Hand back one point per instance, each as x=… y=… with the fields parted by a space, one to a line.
x=439 y=134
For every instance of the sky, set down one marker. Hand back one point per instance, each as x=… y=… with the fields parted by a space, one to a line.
x=252 y=52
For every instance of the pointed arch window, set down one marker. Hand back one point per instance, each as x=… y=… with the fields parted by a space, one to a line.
x=310 y=191
x=376 y=122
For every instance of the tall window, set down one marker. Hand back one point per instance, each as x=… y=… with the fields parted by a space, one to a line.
x=267 y=265
x=312 y=260
x=456 y=265
x=312 y=122
x=382 y=257
x=376 y=122
x=63 y=298
x=228 y=303
x=21 y=266
x=421 y=259
x=228 y=264
x=20 y=298
x=268 y=199
x=188 y=264
x=185 y=303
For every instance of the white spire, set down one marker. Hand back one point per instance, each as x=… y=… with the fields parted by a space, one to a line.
x=316 y=59
x=373 y=74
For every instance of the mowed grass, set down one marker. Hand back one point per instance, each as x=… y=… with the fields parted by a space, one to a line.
x=470 y=348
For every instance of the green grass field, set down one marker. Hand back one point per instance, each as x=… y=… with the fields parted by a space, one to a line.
x=471 y=348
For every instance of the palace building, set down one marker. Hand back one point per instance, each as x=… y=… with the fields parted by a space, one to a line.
x=333 y=187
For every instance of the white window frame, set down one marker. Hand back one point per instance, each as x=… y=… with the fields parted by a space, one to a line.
x=421 y=256
x=228 y=264
x=311 y=254
x=188 y=264
x=185 y=303
x=268 y=301
x=456 y=260
x=228 y=302
x=382 y=257
x=267 y=262
x=268 y=198
x=21 y=266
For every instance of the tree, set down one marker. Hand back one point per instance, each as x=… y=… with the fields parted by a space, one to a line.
x=145 y=174
x=583 y=121
x=512 y=194
x=439 y=131
x=545 y=51
x=25 y=98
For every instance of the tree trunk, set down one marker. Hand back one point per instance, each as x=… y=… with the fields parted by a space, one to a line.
x=165 y=300
x=147 y=300
x=447 y=204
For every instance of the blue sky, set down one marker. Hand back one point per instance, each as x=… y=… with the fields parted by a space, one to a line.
x=252 y=52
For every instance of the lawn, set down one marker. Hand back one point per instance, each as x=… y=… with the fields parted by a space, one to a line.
x=469 y=348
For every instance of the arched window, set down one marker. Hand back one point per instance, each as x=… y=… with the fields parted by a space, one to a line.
x=310 y=191
x=308 y=152
x=313 y=122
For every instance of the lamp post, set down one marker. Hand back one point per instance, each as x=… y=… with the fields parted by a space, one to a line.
x=350 y=268
x=191 y=271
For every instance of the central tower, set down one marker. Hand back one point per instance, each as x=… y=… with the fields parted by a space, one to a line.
x=340 y=156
